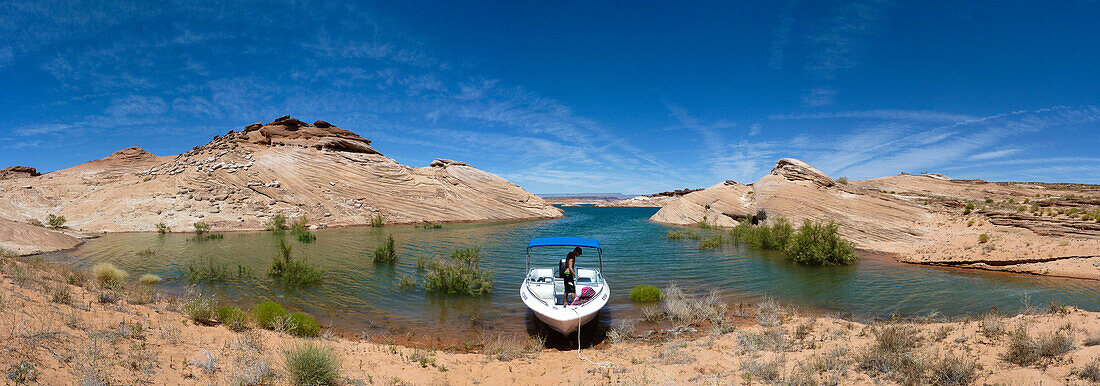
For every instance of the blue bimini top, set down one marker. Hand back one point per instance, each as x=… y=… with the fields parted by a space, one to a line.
x=564 y=242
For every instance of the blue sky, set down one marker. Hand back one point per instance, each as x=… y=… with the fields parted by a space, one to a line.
x=573 y=96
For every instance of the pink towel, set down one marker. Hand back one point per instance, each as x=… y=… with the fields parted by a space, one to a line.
x=586 y=294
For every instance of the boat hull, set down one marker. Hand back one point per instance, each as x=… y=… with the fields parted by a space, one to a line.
x=565 y=327
x=565 y=319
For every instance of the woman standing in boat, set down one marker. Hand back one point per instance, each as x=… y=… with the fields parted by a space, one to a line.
x=569 y=273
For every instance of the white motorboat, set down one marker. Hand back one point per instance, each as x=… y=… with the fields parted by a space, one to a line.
x=543 y=289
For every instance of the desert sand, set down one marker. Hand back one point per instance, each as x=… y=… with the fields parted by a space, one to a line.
x=329 y=175
x=59 y=327
x=1036 y=228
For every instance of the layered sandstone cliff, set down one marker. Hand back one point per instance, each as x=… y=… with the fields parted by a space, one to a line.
x=239 y=180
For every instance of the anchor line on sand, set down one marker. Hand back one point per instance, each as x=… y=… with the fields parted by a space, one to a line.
x=602 y=365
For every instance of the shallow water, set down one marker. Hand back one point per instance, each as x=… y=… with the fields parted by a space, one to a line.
x=357 y=294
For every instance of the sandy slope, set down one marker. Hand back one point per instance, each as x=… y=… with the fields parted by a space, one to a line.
x=82 y=340
x=919 y=218
x=237 y=181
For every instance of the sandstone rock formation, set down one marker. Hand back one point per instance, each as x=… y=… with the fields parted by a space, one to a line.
x=919 y=218
x=25 y=239
x=239 y=180
x=18 y=172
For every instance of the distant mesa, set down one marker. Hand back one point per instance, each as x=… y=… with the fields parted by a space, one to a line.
x=18 y=172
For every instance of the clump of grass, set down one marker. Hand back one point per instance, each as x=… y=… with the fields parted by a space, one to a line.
x=150 y=279
x=991 y=324
x=645 y=294
x=377 y=220
x=310 y=363
x=819 y=244
x=276 y=223
x=983 y=238
x=146 y=252
x=386 y=253
x=770 y=312
x=61 y=294
x=268 y=314
x=232 y=317
x=200 y=309
x=301 y=324
x=201 y=227
x=291 y=271
x=988 y=200
x=680 y=306
x=300 y=229
x=953 y=370
x=1025 y=350
x=109 y=276
x=459 y=274
x=508 y=347
x=767 y=370
x=680 y=235
x=55 y=221
x=842 y=180
x=768 y=339
x=891 y=354
x=430 y=226
x=712 y=242
x=1089 y=372
x=162 y=228
x=207 y=271
x=406 y=282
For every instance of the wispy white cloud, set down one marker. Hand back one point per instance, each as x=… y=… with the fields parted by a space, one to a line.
x=782 y=36
x=992 y=154
x=899 y=115
x=818 y=97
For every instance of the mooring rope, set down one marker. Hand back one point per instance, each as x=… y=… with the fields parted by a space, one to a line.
x=602 y=365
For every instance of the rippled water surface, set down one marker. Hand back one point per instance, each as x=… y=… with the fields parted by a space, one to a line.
x=357 y=294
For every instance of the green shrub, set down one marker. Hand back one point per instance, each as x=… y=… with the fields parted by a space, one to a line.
x=712 y=242
x=377 y=220
x=309 y=363
x=966 y=211
x=301 y=324
x=56 y=222
x=201 y=227
x=983 y=238
x=842 y=180
x=300 y=225
x=1020 y=209
x=200 y=309
x=268 y=314
x=232 y=317
x=276 y=223
x=819 y=244
x=306 y=237
x=645 y=294
x=150 y=279
x=771 y=237
x=163 y=228
x=109 y=276
x=386 y=252
x=460 y=274
x=293 y=271
x=989 y=201
x=970 y=206
x=430 y=226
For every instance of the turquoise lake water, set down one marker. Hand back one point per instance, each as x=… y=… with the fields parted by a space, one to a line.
x=358 y=295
